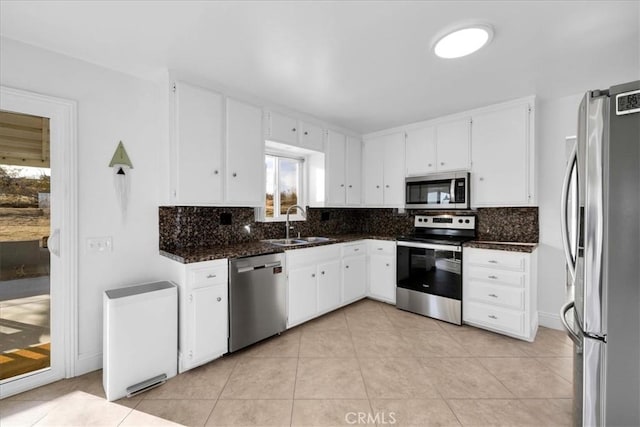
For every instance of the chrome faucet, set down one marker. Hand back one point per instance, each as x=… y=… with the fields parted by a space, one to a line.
x=304 y=214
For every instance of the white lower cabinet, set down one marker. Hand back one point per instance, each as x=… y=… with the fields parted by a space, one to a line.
x=314 y=284
x=203 y=311
x=354 y=272
x=382 y=270
x=500 y=291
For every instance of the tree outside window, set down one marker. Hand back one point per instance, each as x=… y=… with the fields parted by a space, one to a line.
x=283 y=190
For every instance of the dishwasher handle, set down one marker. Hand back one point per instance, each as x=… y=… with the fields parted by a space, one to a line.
x=249 y=268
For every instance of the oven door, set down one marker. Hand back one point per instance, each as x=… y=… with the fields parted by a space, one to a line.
x=430 y=268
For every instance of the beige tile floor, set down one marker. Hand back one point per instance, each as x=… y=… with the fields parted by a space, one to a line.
x=365 y=364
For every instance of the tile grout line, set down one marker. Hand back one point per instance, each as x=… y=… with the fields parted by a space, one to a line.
x=295 y=379
x=221 y=390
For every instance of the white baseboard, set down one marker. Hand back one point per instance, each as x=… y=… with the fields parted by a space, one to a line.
x=88 y=363
x=550 y=320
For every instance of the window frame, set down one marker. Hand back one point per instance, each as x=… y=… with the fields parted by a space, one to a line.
x=276 y=196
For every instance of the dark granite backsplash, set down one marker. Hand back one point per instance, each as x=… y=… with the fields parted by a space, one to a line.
x=189 y=227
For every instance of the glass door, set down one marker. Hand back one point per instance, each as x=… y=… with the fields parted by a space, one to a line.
x=25 y=206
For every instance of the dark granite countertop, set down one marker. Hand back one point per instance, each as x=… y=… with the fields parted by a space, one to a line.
x=239 y=250
x=502 y=246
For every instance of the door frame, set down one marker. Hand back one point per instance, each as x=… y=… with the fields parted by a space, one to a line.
x=64 y=217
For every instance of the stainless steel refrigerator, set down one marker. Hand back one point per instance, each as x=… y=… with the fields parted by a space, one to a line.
x=601 y=236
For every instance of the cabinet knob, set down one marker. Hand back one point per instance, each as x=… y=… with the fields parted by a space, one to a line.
x=493 y=277
x=293 y=129
x=322 y=272
x=341 y=185
x=481 y=179
x=219 y=299
x=356 y=249
x=493 y=261
x=491 y=316
x=211 y=276
x=387 y=186
x=493 y=295
x=234 y=174
x=306 y=133
x=215 y=172
x=346 y=266
x=429 y=165
x=441 y=163
x=313 y=275
x=377 y=186
x=388 y=265
x=379 y=249
x=350 y=186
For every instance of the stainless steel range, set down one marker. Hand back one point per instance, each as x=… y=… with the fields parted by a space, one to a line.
x=429 y=266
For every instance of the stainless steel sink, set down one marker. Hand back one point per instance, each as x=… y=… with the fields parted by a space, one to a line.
x=297 y=242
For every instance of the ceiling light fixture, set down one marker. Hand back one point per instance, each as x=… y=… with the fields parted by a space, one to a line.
x=463 y=41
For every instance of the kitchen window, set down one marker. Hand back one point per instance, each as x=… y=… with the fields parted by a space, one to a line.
x=283 y=187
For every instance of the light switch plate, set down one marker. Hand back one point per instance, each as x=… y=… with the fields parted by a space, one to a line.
x=100 y=244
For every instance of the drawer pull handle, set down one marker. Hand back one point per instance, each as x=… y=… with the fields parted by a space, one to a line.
x=356 y=249
x=219 y=299
x=211 y=276
x=493 y=277
x=491 y=316
x=493 y=261
x=380 y=249
x=493 y=295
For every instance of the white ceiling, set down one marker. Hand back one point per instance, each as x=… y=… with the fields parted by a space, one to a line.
x=358 y=64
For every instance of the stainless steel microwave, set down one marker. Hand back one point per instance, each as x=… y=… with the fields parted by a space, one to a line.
x=438 y=191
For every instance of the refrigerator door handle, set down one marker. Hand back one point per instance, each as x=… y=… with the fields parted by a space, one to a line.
x=563 y=213
x=563 y=317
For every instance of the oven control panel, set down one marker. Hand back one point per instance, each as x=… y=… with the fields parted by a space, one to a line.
x=465 y=222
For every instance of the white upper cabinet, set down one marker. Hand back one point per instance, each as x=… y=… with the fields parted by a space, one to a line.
x=245 y=154
x=503 y=157
x=343 y=169
x=354 y=171
x=197 y=167
x=453 y=140
x=335 y=163
x=311 y=137
x=383 y=164
x=287 y=130
x=421 y=151
x=439 y=147
x=281 y=128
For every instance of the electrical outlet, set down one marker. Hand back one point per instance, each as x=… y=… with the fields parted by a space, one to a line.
x=100 y=244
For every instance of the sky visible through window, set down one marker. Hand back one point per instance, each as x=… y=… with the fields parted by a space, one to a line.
x=282 y=184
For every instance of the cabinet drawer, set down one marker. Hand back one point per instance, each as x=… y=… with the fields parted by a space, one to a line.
x=496 y=295
x=208 y=276
x=382 y=247
x=498 y=318
x=353 y=249
x=496 y=259
x=494 y=275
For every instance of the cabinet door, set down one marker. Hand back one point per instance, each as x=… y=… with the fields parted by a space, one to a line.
x=335 y=169
x=421 y=151
x=197 y=174
x=354 y=278
x=354 y=172
x=329 y=288
x=303 y=294
x=373 y=163
x=245 y=154
x=282 y=128
x=312 y=137
x=207 y=317
x=382 y=280
x=453 y=143
x=501 y=157
x=394 y=170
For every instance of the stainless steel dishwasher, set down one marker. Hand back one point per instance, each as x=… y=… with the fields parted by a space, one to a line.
x=257 y=299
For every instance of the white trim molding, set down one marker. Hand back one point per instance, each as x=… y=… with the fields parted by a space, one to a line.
x=550 y=320
x=64 y=217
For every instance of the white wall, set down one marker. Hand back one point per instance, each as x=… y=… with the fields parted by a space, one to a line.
x=556 y=119
x=111 y=107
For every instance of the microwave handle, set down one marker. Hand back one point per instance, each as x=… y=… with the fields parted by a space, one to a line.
x=452 y=191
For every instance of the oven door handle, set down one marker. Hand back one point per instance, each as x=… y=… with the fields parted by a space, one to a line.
x=452 y=248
